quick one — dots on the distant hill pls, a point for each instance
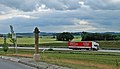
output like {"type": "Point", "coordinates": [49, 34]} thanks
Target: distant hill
{"type": "Point", "coordinates": [24, 34]}
{"type": "Point", "coordinates": [51, 34]}
{"type": "Point", "coordinates": [112, 32]}
{"type": "Point", "coordinates": [32, 34]}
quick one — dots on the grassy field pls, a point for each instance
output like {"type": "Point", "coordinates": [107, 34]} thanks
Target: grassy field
{"type": "Point", "coordinates": [85, 60]}
{"type": "Point", "coordinates": [44, 41]}
{"type": "Point", "coordinates": [109, 44]}
{"type": "Point", "coordinates": [72, 59]}
{"type": "Point", "coordinates": [75, 60]}
{"type": "Point", "coordinates": [48, 41]}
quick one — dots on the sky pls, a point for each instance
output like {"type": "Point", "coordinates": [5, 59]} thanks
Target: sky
{"type": "Point", "coordinates": [60, 15]}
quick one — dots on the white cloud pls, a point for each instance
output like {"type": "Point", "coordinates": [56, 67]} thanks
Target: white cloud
{"type": "Point", "coordinates": [9, 16]}
{"type": "Point", "coordinates": [15, 13]}
{"type": "Point", "coordinates": [80, 22]}
{"type": "Point", "coordinates": [80, 25]}
{"type": "Point", "coordinates": [103, 4]}
{"type": "Point", "coordinates": [68, 28]}
{"type": "Point", "coordinates": [42, 8]}
{"type": "Point", "coordinates": [80, 28]}
{"type": "Point", "coordinates": [114, 1]}
{"type": "Point", "coordinates": [82, 4]}
{"type": "Point", "coordinates": [2, 12]}
{"type": "Point", "coordinates": [61, 15]}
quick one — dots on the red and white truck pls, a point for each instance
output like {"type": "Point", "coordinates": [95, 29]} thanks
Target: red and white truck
{"type": "Point", "coordinates": [88, 45]}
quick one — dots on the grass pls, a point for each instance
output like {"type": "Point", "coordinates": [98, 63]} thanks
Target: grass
{"type": "Point", "coordinates": [109, 44]}
{"type": "Point", "coordinates": [75, 60]}
{"type": "Point", "coordinates": [48, 41]}
{"type": "Point", "coordinates": [31, 40]}
{"type": "Point", "coordinates": [86, 60]}
{"type": "Point", "coordinates": [72, 59]}
{"type": "Point", "coordinates": [44, 41]}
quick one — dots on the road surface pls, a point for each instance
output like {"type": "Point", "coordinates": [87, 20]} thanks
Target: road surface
{"type": "Point", "coordinates": [66, 49]}
{"type": "Point", "coordinates": [6, 64]}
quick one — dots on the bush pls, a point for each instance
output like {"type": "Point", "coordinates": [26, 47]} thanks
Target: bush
{"type": "Point", "coordinates": [5, 47]}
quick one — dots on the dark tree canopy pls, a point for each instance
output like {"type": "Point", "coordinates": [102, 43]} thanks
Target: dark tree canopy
{"type": "Point", "coordinates": [1, 35]}
{"type": "Point", "coordinates": [97, 36]}
{"type": "Point", "coordinates": [65, 36]}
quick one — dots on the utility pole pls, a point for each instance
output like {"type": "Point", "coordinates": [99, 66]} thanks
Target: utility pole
{"type": "Point", "coordinates": [36, 56]}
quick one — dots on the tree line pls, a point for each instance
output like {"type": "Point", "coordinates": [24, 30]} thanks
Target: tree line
{"type": "Point", "coordinates": [86, 36]}
{"type": "Point", "coordinates": [98, 36]}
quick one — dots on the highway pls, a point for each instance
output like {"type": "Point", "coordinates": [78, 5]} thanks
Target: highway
{"type": "Point", "coordinates": [6, 64]}
{"type": "Point", "coordinates": [66, 49]}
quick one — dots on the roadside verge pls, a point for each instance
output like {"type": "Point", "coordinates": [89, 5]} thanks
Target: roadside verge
{"type": "Point", "coordinates": [32, 63]}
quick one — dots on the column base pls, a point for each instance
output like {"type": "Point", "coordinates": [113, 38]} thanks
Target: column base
{"type": "Point", "coordinates": [36, 57]}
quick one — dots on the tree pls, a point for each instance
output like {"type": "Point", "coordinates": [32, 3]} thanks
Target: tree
{"type": "Point", "coordinates": [1, 35]}
{"type": "Point", "coordinates": [65, 36]}
{"type": "Point", "coordinates": [84, 35]}
{"type": "Point", "coordinates": [5, 45]}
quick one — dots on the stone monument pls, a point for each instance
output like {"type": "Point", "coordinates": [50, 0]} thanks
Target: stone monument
{"type": "Point", "coordinates": [36, 55]}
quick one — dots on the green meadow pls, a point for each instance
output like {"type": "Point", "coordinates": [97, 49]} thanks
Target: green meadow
{"type": "Point", "coordinates": [84, 60]}
{"type": "Point", "coordinates": [49, 41]}
{"type": "Point", "coordinates": [74, 59]}
{"type": "Point", "coordinates": [71, 59]}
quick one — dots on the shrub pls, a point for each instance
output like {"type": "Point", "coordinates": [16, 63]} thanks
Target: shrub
{"type": "Point", "coordinates": [5, 47]}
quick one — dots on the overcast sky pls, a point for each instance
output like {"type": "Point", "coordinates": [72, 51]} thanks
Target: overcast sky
{"type": "Point", "coordinates": [60, 15]}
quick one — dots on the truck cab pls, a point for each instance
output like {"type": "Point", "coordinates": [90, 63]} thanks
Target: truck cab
{"type": "Point", "coordinates": [95, 46]}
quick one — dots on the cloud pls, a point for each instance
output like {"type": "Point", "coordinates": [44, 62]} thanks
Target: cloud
{"type": "Point", "coordinates": [41, 8]}
{"type": "Point", "coordinates": [80, 22]}
{"type": "Point", "coordinates": [114, 1]}
{"type": "Point", "coordinates": [103, 4]}
{"type": "Point", "coordinates": [24, 5]}
{"type": "Point", "coordinates": [60, 15]}
{"type": "Point", "coordinates": [83, 4]}
{"type": "Point", "coordinates": [14, 14]}
{"type": "Point", "coordinates": [30, 5]}
{"type": "Point", "coordinates": [67, 28]}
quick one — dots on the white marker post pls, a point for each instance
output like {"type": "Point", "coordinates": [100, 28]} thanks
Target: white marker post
{"type": "Point", "coordinates": [15, 38]}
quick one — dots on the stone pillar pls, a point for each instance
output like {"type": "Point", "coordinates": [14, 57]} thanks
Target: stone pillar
{"type": "Point", "coordinates": [36, 56]}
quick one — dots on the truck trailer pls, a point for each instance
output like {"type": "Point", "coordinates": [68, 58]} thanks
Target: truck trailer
{"type": "Point", "coordinates": [88, 45]}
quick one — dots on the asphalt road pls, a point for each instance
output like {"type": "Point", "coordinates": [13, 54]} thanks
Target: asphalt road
{"type": "Point", "coordinates": [66, 49]}
{"type": "Point", "coordinates": [6, 64]}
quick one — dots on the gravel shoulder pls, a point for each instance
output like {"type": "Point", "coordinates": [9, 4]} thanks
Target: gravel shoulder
{"type": "Point", "coordinates": [32, 63]}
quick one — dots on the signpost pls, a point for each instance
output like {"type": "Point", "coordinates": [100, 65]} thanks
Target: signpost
{"type": "Point", "coordinates": [36, 56]}
{"type": "Point", "coordinates": [14, 38]}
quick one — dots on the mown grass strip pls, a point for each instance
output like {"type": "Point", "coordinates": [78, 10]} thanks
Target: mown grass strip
{"type": "Point", "coordinates": [75, 60]}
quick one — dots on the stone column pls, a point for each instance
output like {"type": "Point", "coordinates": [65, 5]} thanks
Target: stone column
{"type": "Point", "coordinates": [36, 56]}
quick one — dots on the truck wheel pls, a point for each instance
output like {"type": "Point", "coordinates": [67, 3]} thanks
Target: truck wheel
{"type": "Point", "coordinates": [87, 48]}
{"type": "Point", "coordinates": [94, 49]}
{"type": "Point", "coordinates": [74, 49]}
